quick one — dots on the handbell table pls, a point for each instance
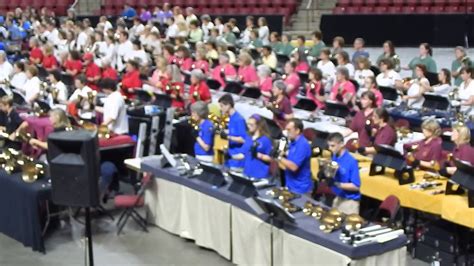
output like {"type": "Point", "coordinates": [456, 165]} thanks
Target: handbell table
{"type": "Point", "coordinates": [223, 221]}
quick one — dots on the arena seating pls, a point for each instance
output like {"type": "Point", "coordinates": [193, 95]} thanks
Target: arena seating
{"type": "Point", "coordinates": [403, 6]}
{"type": "Point", "coordinates": [212, 7]}
{"type": "Point", "coordinates": [58, 6]}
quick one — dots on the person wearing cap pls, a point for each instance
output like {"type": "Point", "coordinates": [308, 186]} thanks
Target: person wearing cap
{"type": "Point", "coordinates": [131, 79]}
{"type": "Point", "coordinates": [257, 148]}
{"type": "Point", "coordinates": [114, 109]}
{"type": "Point", "coordinates": [265, 81]}
{"type": "Point", "coordinates": [224, 70]}
{"type": "Point", "coordinates": [204, 135]}
{"type": "Point", "coordinates": [236, 132]}
{"type": "Point", "coordinates": [91, 71]}
{"type": "Point", "coordinates": [199, 91]}
{"type": "Point", "coordinates": [280, 104]}
{"type": "Point", "coordinates": [268, 57]}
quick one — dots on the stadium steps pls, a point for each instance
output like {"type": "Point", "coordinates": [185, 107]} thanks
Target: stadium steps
{"type": "Point", "coordinates": [308, 16]}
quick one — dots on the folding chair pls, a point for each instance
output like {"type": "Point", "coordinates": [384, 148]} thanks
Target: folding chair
{"type": "Point", "coordinates": [130, 203]}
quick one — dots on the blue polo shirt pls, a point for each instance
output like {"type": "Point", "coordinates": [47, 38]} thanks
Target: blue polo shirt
{"type": "Point", "coordinates": [237, 128]}
{"type": "Point", "coordinates": [348, 172]}
{"type": "Point", "coordinates": [206, 133]}
{"type": "Point", "coordinates": [254, 167]}
{"type": "Point", "coordinates": [300, 154]}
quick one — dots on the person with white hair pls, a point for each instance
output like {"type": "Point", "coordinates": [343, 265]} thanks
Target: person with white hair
{"type": "Point", "coordinates": [265, 80]}
{"type": "Point", "coordinates": [6, 68]}
{"type": "Point", "coordinates": [206, 26]}
{"type": "Point", "coordinates": [190, 16]}
{"type": "Point", "coordinates": [199, 91]}
{"type": "Point", "coordinates": [204, 135]}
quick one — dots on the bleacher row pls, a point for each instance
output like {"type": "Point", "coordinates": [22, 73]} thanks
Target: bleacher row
{"type": "Point", "coordinates": [58, 6]}
{"type": "Point", "coordinates": [403, 6]}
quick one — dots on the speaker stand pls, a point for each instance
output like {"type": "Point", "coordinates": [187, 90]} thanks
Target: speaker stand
{"type": "Point", "coordinates": [90, 251]}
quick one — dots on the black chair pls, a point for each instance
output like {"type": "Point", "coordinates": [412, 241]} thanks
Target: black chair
{"type": "Point", "coordinates": [2, 92]}
{"type": "Point", "coordinates": [42, 73]}
{"type": "Point", "coordinates": [389, 93]}
{"type": "Point", "coordinates": [275, 130]}
{"type": "Point", "coordinates": [213, 84]}
{"type": "Point", "coordinates": [251, 92]}
{"type": "Point", "coordinates": [282, 59]}
{"type": "Point", "coordinates": [18, 98]}
{"type": "Point", "coordinates": [355, 83]}
{"type": "Point", "coordinates": [254, 54]}
{"type": "Point", "coordinates": [304, 77]}
{"type": "Point", "coordinates": [143, 95]}
{"type": "Point", "coordinates": [336, 109]}
{"type": "Point", "coordinates": [306, 104]}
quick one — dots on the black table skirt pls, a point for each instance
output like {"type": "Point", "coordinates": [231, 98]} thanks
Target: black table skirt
{"type": "Point", "coordinates": [20, 216]}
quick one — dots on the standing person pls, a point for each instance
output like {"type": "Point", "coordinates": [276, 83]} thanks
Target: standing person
{"type": "Point", "coordinates": [296, 162]}
{"type": "Point", "coordinates": [203, 148]}
{"type": "Point", "coordinates": [359, 50]}
{"type": "Point", "coordinates": [263, 31]}
{"type": "Point", "coordinates": [279, 104]}
{"type": "Point", "coordinates": [346, 182]}
{"type": "Point", "coordinates": [114, 109]}
{"type": "Point", "coordinates": [389, 53]}
{"type": "Point", "coordinates": [318, 45]}
{"type": "Point", "coordinates": [425, 58]}
{"type": "Point", "coordinates": [236, 132]}
{"type": "Point", "coordinates": [461, 61]}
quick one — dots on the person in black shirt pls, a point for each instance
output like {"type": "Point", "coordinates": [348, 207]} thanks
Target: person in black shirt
{"type": "Point", "coordinates": [10, 120]}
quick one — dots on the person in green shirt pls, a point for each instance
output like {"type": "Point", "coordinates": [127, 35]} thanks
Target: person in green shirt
{"type": "Point", "coordinates": [424, 59]}
{"type": "Point", "coordinates": [315, 50]}
{"type": "Point", "coordinates": [229, 36]}
{"type": "Point", "coordinates": [389, 52]}
{"type": "Point", "coordinates": [195, 33]}
{"type": "Point", "coordinates": [255, 42]}
{"type": "Point", "coordinates": [286, 47]}
{"type": "Point", "coordinates": [275, 42]}
{"type": "Point", "coordinates": [461, 61]}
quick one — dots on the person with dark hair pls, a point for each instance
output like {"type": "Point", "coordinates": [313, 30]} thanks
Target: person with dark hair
{"type": "Point", "coordinates": [343, 61]}
{"type": "Point", "coordinates": [425, 58]}
{"type": "Point", "coordinates": [91, 71]}
{"type": "Point", "coordinates": [257, 148]}
{"type": "Point", "coordinates": [327, 67]}
{"type": "Point", "coordinates": [279, 104]}
{"type": "Point", "coordinates": [417, 88]}
{"type": "Point", "coordinates": [19, 77]}
{"type": "Point", "coordinates": [268, 57]}
{"type": "Point", "coordinates": [275, 41]}
{"type": "Point", "coordinates": [114, 109]}
{"type": "Point", "coordinates": [59, 93]}
{"type": "Point", "coordinates": [444, 86]}
{"type": "Point", "coordinates": [383, 132]}
{"type": "Point", "coordinates": [346, 182]}
{"type": "Point", "coordinates": [314, 88]}
{"type": "Point", "coordinates": [80, 97]}
{"type": "Point", "coordinates": [203, 148]}
{"type": "Point", "coordinates": [362, 122]}
{"type": "Point", "coordinates": [131, 79]}
{"type": "Point", "coordinates": [466, 89]}
{"type": "Point", "coordinates": [318, 45]}
{"type": "Point", "coordinates": [337, 45]}
{"type": "Point", "coordinates": [10, 120]}
{"type": "Point", "coordinates": [236, 131]}
{"type": "Point", "coordinates": [359, 50]}
{"type": "Point", "coordinates": [183, 58]}
{"type": "Point", "coordinates": [388, 77]}
{"type": "Point", "coordinates": [73, 64]}
{"type": "Point", "coordinates": [371, 85]}
{"type": "Point", "coordinates": [124, 49]}
{"type": "Point", "coordinates": [296, 162]}
{"type": "Point", "coordinates": [389, 53]}
{"type": "Point", "coordinates": [195, 32]}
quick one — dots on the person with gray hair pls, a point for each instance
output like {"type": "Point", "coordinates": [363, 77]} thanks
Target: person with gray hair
{"type": "Point", "coordinates": [199, 91]}
{"type": "Point", "coordinates": [343, 90]}
{"type": "Point", "coordinates": [359, 50]}
{"type": "Point", "coordinates": [224, 70]}
{"type": "Point", "coordinates": [280, 104]}
{"type": "Point", "coordinates": [206, 26]}
{"type": "Point", "coordinates": [265, 80]}
{"type": "Point", "coordinates": [203, 132]}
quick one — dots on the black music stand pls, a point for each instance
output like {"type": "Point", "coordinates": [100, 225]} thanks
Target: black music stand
{"type": "Point", "coordinates": [275, 130]}
{"type": "Point", "coordinates": [387, 156]}
{"type": "Point", "coordinates": [212, 175]}
{"type": "Point", "coordinates": [143, 96]}
{"type": "Point", "coordinates": [306, 104]}
{"type": "Point", "coordinates": [336, 109]}
{"type": "Point", "coordinates": [234, 87]}
{"type": "Point", "coordinates": [242, 186]}
{"type": "Point", "coordinates": [389, 93]}
{"type": "Point", "coordinates": [464, 176]}
{"type": "Point", "coordinates": [213, 84]}
{"type": "Point", "coordinates": [436, 102]}
{"type": "Point", "coordinates": [162, 100]}
{"type": "Point", "coordinates": [252, 92]}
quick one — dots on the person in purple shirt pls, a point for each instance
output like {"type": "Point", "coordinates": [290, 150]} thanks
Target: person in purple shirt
{"type": "Point", "coordinates": [362, 121]}
{"type": "Point", "coordinates": [280, 104]}
{"type": "Point", "coordinates": [427, 152]}
{"type": "Point", "coordinates": [359, 50]}
{"type": "Point", "coordinates": [461, 136]}
{"type": "Point", "coordinates": [383, 132]}
{"type": "Point", "coordinates": [145, 15]}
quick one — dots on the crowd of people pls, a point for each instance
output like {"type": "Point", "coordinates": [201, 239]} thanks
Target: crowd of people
{"type": "Point", "coordinates": [178, 53]}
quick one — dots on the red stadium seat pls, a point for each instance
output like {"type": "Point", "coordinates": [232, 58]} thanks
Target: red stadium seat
{"type": "Point", "coordinates": [49, 3]}
{"type": "Point", "coordinates": [352, 10]}
{"type": "Point", "coordinates": [3, 4]}
{"type": "Point", "coordinates": [452, 9]}
{"type": "Point", "coordinates": [426, 2]}
{"type": "Point", "coordinates": [385, 2]}
{"type": "Point", "coordinates": [422, 9]}
{"type": "Point", "coordinates": [358, 2]}
{"type": "Point", "coordinates": [38, 3]}
{"type": "Point", "coordinates": [371, 2]}
{"type": "Point", "coordinates": [408, 9]}
{"type": "Point", "coordinates": [412, 2]}
{"type": "Point", "coordinates": [398, 2]}
{"type": "Point", "coordinates": [381, 9]}
{"type": "Point", "coordinates": [342, 3]}
{"type": "Point", "coordinates": [339, 10]}
{"type": "Point", "coordinates": [437, 9]}
{"type": "Point", "coordinates": [366, 9]}
{"type": "Point", "coordinates": [394, 9]}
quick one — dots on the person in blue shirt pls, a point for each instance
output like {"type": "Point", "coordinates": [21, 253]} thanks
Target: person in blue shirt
{"type": "Point", "coordinates": [129, 12]}
{"type": "Point", "coordinates": [257, 148]}
{"type": "Point", "coordinates": [359, 50]}
{"type": "Point", "coordinates": [236, 132]}
{"type": "Point", "coordinates": [346, 182]}
{"type": "Point", "coordinates": [297, 162]}
{"type": "Point", "coordinates": [203, 148]}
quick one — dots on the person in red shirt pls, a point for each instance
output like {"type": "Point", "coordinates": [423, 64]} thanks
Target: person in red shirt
{"type": "Point", "coordinates": [108, 72]}
{"type": "Point", "coordinates": [201, 61]}
{"type": "Point", "coordinates": [92, 71]}
{"type": "Point", "coordinates": [49, 60]}
{"type": "Point", "coordinates": [199, 90]}
{"type": "Point", "coordinates": [36, 55]}
{"type": "Point", "coordinates": [168, 54]}
{"type": "Point", "coordinates": [131, 79]}
{"type": "Point", "coordinates": [183, 58]}
{"type": "Point", "coordinates": [173, 86]}
{"type": "Point", "coordinates": [73, 64]}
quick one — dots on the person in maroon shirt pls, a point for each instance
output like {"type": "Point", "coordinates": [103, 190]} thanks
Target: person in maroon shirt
{"type": "Point", "coordinates": [384, 133]}
{"type": "Point", "coordinates": [461, 136]}
{"type": "Point", "coordinates": [36, 55]}
{"type": "Point", "coordinates": [315, 88]}
{"type": "Point", "coordinates": [49, 61]}
{"type": "Point", "coordinates": [280, 105]}
{"type": "Point", "coordinates": [199, 91]}
{"type": "Point", "coordinates": [92, 71]}
{"type": "Point", "coordinates": [427, 152]}
{"type": "Point", "coordinates": [73, 64]}
{"type": "Point", "coordinates": [108, 72]}
{"type": "Point", "coordinates": [131, 79]}
{"type": "Point", "coordinates": [362, 122]}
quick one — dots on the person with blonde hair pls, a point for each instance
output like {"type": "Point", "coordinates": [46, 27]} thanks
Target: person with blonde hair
{"type": "Point", "coordinates": [247, 73]}
{"type": "Point", "coordinates": [363, 70]}
{"type": "Point", "coordinates": [426, 153]}
{"type": "Point", "coordinates": [461, 136]}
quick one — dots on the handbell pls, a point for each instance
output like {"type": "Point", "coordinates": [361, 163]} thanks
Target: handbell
{"type": "Point", "coordinates": [353, 222]}
{"type": "Point", "coordinates": [103, 132]}
{"type": "Point", "coordinates": [31, 171]}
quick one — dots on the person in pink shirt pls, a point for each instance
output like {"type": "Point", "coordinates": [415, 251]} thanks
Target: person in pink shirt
{"type": "Point", "coordinates": [371, 85]}
{"type": "Point", "coordinates": [247, 73]}
{"type": "Point", "coordinates": [343, 90]}
{"type": "Point", "coordinates": [265, 80]}
{"type": "Point", "coordinates": [299, 56]}
{"type": "Point", "coordinates": [224, 70]}
{"type": "Point", "coordinates": [315, 88]}
{"type": "Point", "coordinates": [183, 58]}
{"type": "Point", "coordinates": [168, 53]}
{"type": "Point", "coordinates": [292, 81]}
{"type": "Point", "coordinates": [201, 61]}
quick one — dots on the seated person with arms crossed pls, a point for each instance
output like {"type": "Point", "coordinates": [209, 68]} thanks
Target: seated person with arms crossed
{"type": "Point", "coordinates": [203, 148]}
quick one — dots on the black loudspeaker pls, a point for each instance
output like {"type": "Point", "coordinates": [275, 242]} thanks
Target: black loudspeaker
{"type": "Point", "coordinates": [74, 162]}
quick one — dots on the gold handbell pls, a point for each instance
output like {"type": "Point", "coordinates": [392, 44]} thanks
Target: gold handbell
{"type": "Point", "coordinates": [103, 132]}
{"type": "Point", "coordinates": [196, 95]}
{"type": "Point", "coordinates": [368, 122]}
{"type": "Point", "coordinates": [449, 157]}
{"type": "Point", "coordinates": [331, 221]}
{"type": "Point", "coordinates": [283, 77]}
{"type": "Point", "coordinates": [435, 165]}
{"type": "Point", "coordinates": [91, 97]}
{"type": "Point", "coordinates": [403, 132]}
{"type": "Point", "coordinates": [54, 93]}
{"type": "Point", "coordinates": [289, 207]}
{"type": "Point", "coordinates": [328, 167]}
{"type": "Point", "coordinates": [285, 195]}
{"type": "Point", "coordinates": [23, 136]}
{"type": "Point", "coordinates": [318, 212]}
{"type": "Point", "coordinates": [167, 88]}
{"type": "Point", "coordinates": [89, 126]}
{"type": "Point", "coordinates": [308, 208]}
{"type": "Point", "coordinates": [454, 94]}
{"type": "Point", "coordinates": [353, 222]}
{"type": "Point", "coordinates": [31, 171]}
{"type": "Point", "coordinates": [193, 123]}
{"type": "Point", "coordinates": [410, 157]}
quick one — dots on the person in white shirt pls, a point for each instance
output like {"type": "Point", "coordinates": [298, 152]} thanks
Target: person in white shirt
{"type": "Point", "coordinates": [138, 54]}
{"type": "Point", "coordinates": [81, 40]}
{"type": "Point", "coordinates": [466, 90]}
{"type": "Point", "coordinates": [154, 43]}
{"type": "Point", "coordinates": [110, 52]}
{"type": "Point", "coordinates": [53, 37]}
{"type": "Point", "coordinates": [61, 48]}
{"type": "Point", "coordinates": [190, 15]}
{"type": "Point", "coordinates": [444, 86]}
{"type": "Point", "coordinates": [124, 49]}
{"type": "Point", "coordinates": [32, 86]}
{"type": "Point", "coordinates": [327, 67]}
{"type": "Point", "coordinates": [172, 31]}
{"type": "Point", "coordinates": [106, 23]}
{"type": "Point", "coordinates": [60, 94]}
{"type": "Point", "coordinates": [343, 61]}
{"type": "Point", "coordinates": [100, 46]}
{"type": "Point", "coordinates": [263, 31]}
{"type": "Point", "coordinates": [206, 26]}
{"type": "Point", "coordinates": [6, 68]}
{"type": "Point", "coordinates": [417, 88]}
{"type": "Point", "coordinates": [245, 36]}
{"type": "Point", "coordinates": [219, 24]}
{"type": "Point", "coordinates": [136, 29]}
{"type": "Point", "coordinates": [114, 109]}
{"type": "Point", "coordinates": [19, 77]}
{"type": "Point", "coordinates": [268, 57]}
{"type": "Point", "coordinates": [363, 70]}
{"type": "Point", "coordinates": [388, 77]}
{"type": "Point", "coordinates": [81, 95]}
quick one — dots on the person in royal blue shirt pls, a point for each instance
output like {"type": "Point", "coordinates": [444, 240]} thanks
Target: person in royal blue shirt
{"type": "Point", "coordinates": [236, 132]}
{"type": "Point", "coordinates": [297, 162]}
{"type": "Point", "coordinates": [346, 182]}
{"type": "Point", "coordinates": [129, 12]}
{"type": "Point", "coordinates": [203, 148]}
{"type": "Point", "coordinates": [257, 148]}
